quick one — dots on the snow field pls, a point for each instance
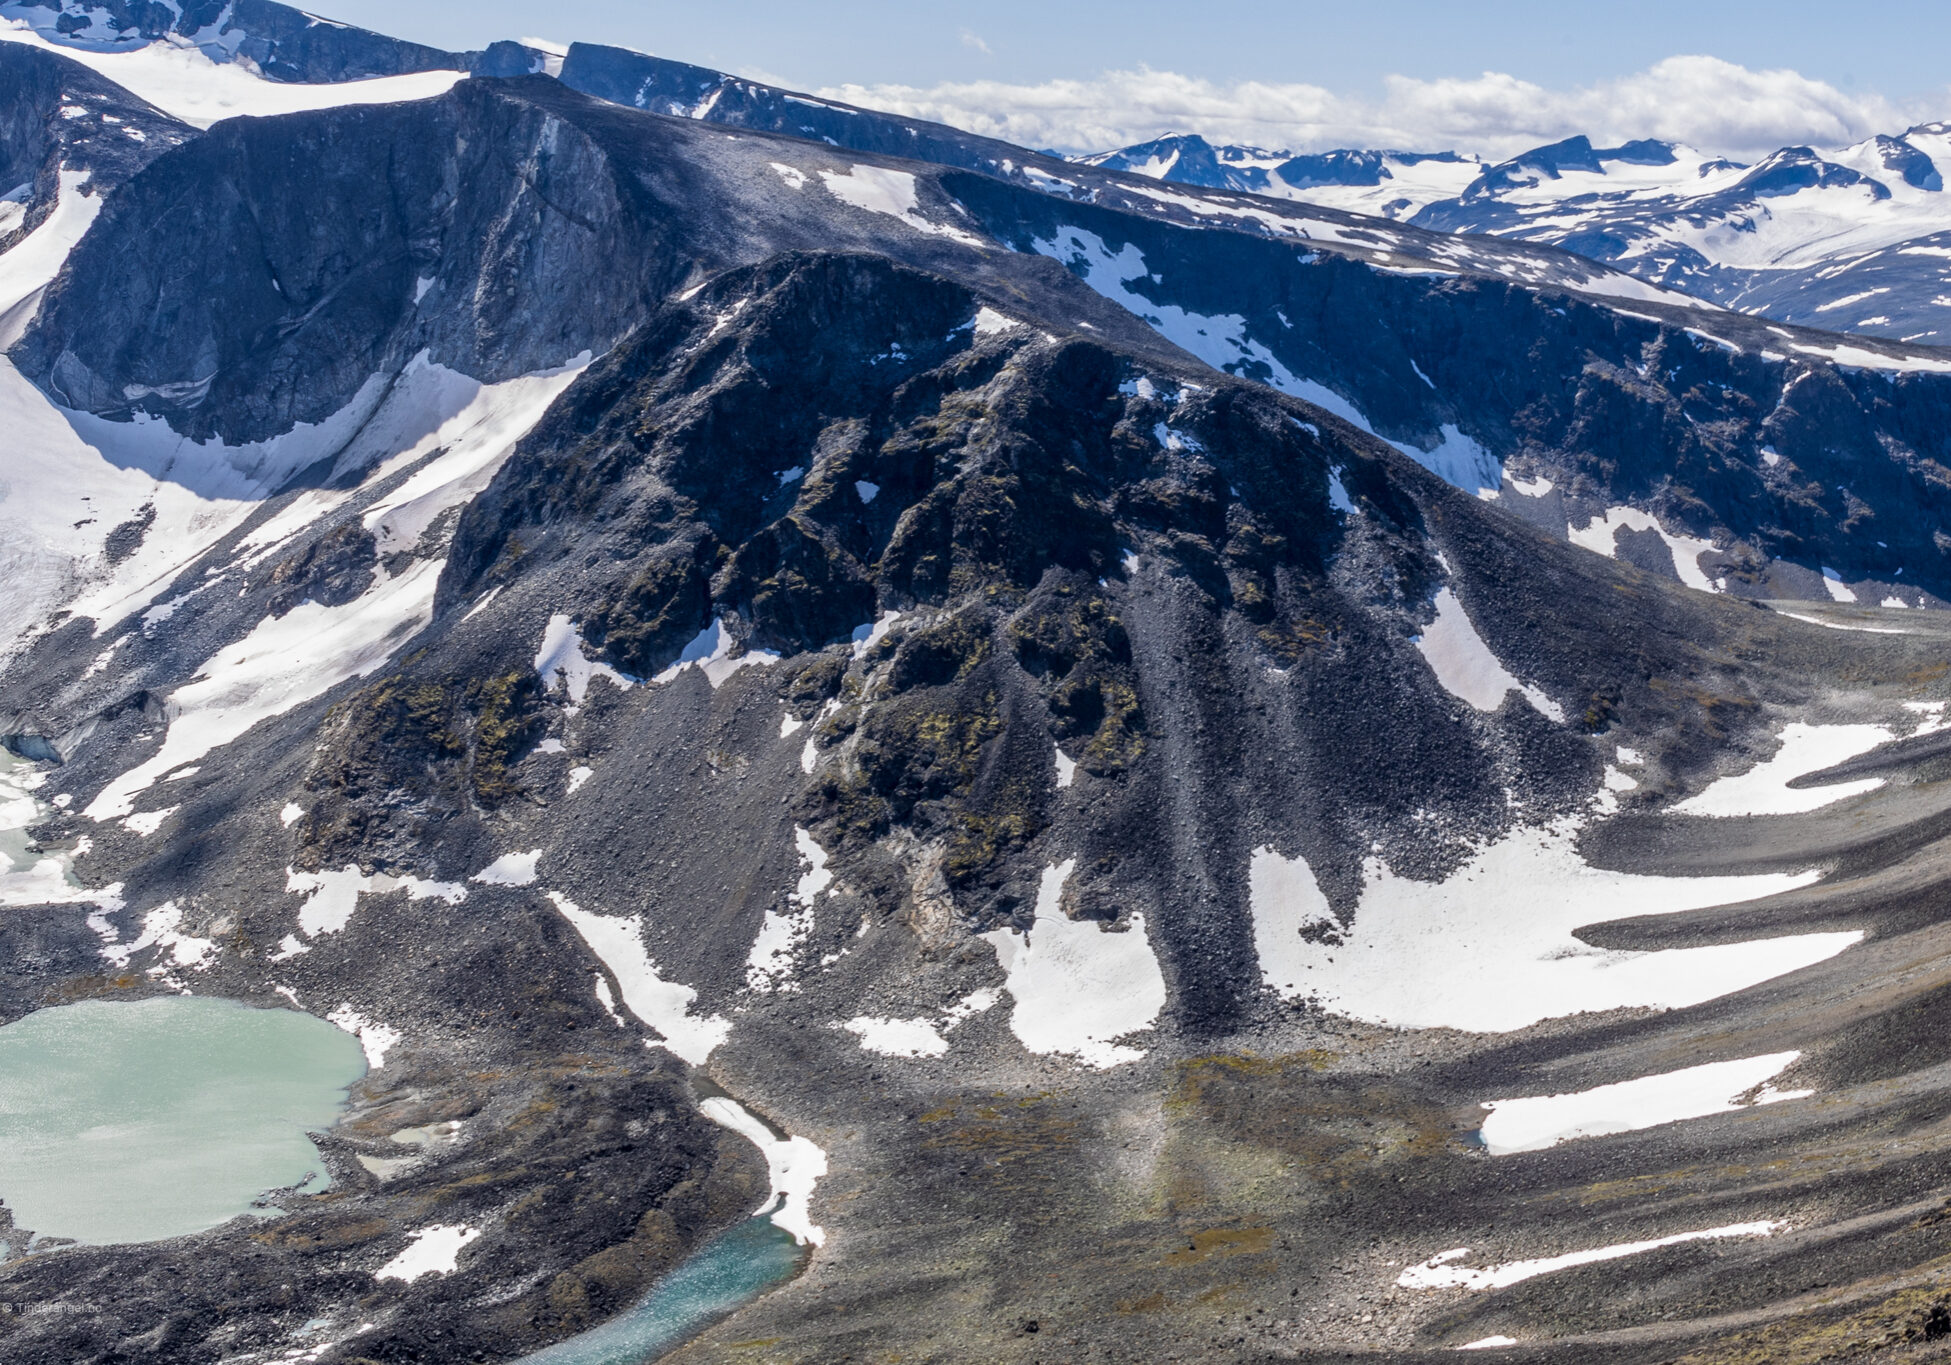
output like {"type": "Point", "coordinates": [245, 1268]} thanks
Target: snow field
{"type": "Point", "coordinates": [1491, 949]}
{"type": "Point", "coordinates": [183, 81]}
{"type": "Point", "coordinates": [281, 665]}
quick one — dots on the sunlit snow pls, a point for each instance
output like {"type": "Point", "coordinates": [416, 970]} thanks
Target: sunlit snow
{"type": "Point", "coordinates": [1441, 1272]}
{"type": "Point", "coordinates": [1492, 948]}
{"type": "Point", "coordinates": [618, 942]}
{"type": "Point", "coordinates": [1077, 986]}
{"type": "Point", "coordinates": [1764, 789]}
{"type": "Point", "coordinates": [186, 84]}
{"type": "Point", "coordinates": [282, 664]}
{"type": "Point", "coordinates": [794, 1164]}
{"type": "Point", "coordinates": [1465, 666]}
{"type": "Point", "coordinates": [1526, 1125]}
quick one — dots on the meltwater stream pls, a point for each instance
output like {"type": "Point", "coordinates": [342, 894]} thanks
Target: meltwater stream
{"type": "Point", "coordinates": [722, 1276]}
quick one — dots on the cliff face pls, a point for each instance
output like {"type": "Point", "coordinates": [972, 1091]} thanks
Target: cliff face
{"type": "Point", "coordinates": [55, 116]}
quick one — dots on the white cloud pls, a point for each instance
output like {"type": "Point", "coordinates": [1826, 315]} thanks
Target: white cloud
{"type": "Point", "coordinates": [970, 38]}
{"type": "Point", "coordinates": [1704, 102]}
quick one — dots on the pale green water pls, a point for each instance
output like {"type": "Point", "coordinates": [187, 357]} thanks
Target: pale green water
{"type": "Point", "coordinates": [725, 1274]}
{"type": "Point", "coordinates": [134, 1121]}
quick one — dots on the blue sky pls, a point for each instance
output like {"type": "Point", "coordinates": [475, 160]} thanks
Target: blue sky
{"type": "Point", "coordinates": [1037, 67]}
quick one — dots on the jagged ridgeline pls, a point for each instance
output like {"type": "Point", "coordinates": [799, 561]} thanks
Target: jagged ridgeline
{"type": "Point", "coordinates": [1096, 714]}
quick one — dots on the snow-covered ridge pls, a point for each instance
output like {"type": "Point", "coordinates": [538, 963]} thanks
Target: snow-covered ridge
{"type": "Point", "coordinates": [1849, 238]}
{"type": "Point", "coordinates": [185, 81]}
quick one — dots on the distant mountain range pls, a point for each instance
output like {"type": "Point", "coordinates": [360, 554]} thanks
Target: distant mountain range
{"type": "Point", "coordinates": [1853, 240]}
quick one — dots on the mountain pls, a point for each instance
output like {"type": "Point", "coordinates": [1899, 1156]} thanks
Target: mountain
{"type": "Point", "coordinates": [275, 41]}
{"type": "Point", "coordinates": [1131, 768]}
{"type": "Point", "coordinates": [1844, 240]}
{"type": "Point", "coordinates": [1386, 184]}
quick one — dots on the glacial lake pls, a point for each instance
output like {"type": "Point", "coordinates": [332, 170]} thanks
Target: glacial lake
{"type": "Point", "coordinates": [725, 1274]}
{"type": "Point", "coordinates": [132, 1121]}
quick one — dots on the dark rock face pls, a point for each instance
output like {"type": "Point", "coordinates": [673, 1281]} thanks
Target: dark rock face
{"type": "Point", "coordinates": [282, 43]}
{"type": "Point", "coordinates": [530, 244]}
{"type": "Point", "coordinates": [57, 115]}
{"type": "Point", "coordinates": [1614, 408]}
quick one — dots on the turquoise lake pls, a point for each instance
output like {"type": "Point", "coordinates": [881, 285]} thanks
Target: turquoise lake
{"type": "Point", "coordinates": [134, 1121]}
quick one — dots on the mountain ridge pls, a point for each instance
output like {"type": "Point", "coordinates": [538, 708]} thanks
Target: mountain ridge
{"type": "Point", "coordinates": [1124, 727]}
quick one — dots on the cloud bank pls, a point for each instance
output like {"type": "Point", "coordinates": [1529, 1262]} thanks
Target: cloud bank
{"type": "Point", "coordinates": [1704, 102]}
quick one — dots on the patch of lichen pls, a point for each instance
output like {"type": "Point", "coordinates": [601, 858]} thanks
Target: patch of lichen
{"type": "Point", "coordinates": [507, 718]}
{"type": "Point", "coordinates": [980, 840]}
{"type": "Point", "coordinates": [917, 749]}
{"type": "Point", "coordinates": [942, 653]}
{"type": "Point", "coordinates": [1286, 1106]}
{"type": "Point", "coordinates": [409, 747]}
{"type": "Point", "coordinates": [1077, 649]}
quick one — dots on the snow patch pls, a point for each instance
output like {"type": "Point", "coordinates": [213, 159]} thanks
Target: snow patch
{"type": "Point", "coordinates": [770, 962]}
{"type": "Point", "coordinates": [375, 1039]}
{"type": "Point", "coordinates": [1465, 666]}
{"type": "Point", "coordinates": [331, 898]}
{"type": "Point", "coordinates": [1493, 947]}
{"type": "Point", "coordinates": [665, 1006]}
{"type": "Point", "coordinates": [794, 1164]}
{"type": "Point", "coordinates": [898, 1037]}
{"type": "Point", "coordinates": [1764, 789]}
{"type": "Point", "coordinates": [282, 664]}
{"type": "Point", "coordinates": [879, 190]}
{"type": "Point", "coordinates": [1528, 1125]}
{"type": "Point", "coordinates": [510, 869]}
{"type": "Point", "coordinates": [867, 636]}
{"type": "Point", "coordinates": [430, 1251]}
{"type": "Point", "coordinates": [562, 663]}
{"type": "Point", "coordinates": [1838, 590]}
{"type": "Point", "coordinates": [1600, 536]}
{"type": "Point", "coordinates": [711, 654]}
{"type": "Point", "coordinates": [162, 928]}
{"type": "Point", "coordinates": [1077, 986]}
{"type": "Point", "coordinates": [1440, 1272]}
